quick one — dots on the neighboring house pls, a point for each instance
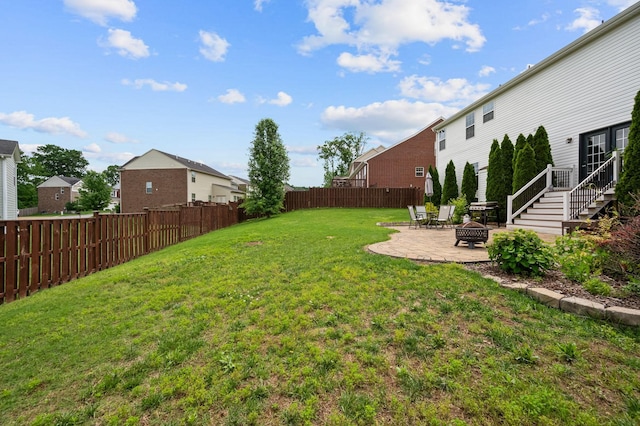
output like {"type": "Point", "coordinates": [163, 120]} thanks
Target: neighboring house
{"type": "Point", "coordinates": [242, 184]}
{"type": "Point", "coordinates": [402, 165]}
{"type": "Point", "coordinates": [114, 201]}
{"type": "Point", "coordinates": [583, 95]}
{"type": "Point", "coordinates": [55, 192]}
{"type": "Point", "coordinates": [9, 159]}
{"type": "Point", "coordinates": [157, 179]}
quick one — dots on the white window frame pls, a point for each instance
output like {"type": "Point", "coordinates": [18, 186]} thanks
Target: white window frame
{"type": "Point", "coordinates": [487, 112]}
{"type": "Point", "coordinates": [419, 171]}
{"type": "Point", "coordinates": [149, 188]}
{"type": "Point", "coordinates": [193, 176]}
{"type": "Point", "coordinates": [470, 125]}
{"type": "Point", "coordinates": [442, 139]}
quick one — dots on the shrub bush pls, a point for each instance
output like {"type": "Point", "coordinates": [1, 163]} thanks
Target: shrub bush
{"type": "Point", "coordinates": [623, 248]}
{"type": "Point", "coordinates": [597, 286]}
{"type": "Point", "coordinates": [520, 252]}
{"type": "Point", "coordinates": [578, 256]}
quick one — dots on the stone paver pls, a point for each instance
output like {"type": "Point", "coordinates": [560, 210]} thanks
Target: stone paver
{"type": "Point", "coordinates": [434, 245]}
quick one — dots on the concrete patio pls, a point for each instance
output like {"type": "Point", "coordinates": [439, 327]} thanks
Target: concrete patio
{"type": "Point", "coordinates": [436, 245]}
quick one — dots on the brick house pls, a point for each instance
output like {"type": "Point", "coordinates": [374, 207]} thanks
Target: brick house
{"type": "Point", "coordinates": [402, 165]}
{"type": "Point", "coordinates": [9, 159]}
{"type": "Point", "coordinates": [157, 179]}
{"type": "Point", "coordinates": [55, 192]}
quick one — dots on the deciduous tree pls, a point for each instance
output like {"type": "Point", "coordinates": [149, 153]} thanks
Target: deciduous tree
{"type": "Point", "coordinates": [268, 170]}
{"type": "Point", "coordinates": [52, 160]}
{"type": "Point", "coordinates": [339, 153]}
{"type": "Point", "coordinates": [95, 192]}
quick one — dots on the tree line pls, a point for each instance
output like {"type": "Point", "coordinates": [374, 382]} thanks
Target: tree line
{"type": "Point", "coordinates": [51, 160]}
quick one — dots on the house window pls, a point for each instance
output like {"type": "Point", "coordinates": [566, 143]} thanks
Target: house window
{"type": "Point", "coordinates": [149, 188]}
{"type": "Point", "coordinates": [57, 197]}
{"type": "Point", "coordinates": [193, 196]}
{"type": "Point", "coordinates": [487, 112]}
{"type": "Point", "coordinates": [441, 139]}
{"type": "Point", "coordinates": [470, 125]}
{"type": "Point", "coordinates": [419, 171]}
{"type": "Point", "coordinates": [62, 190]}
{"type": "Point", "coordinates": [622, 138]}
{"type": "Point", "coordinates": [210, 198]}
{"type": "Point", "coordinates": [193, 176]}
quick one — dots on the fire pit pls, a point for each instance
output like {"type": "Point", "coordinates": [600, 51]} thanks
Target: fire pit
{"type": "Point", "coordinates": [471, 233]}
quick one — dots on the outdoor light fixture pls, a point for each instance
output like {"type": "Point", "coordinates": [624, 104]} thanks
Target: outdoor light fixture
{"type": "Point", "coordinates": [569, 140]}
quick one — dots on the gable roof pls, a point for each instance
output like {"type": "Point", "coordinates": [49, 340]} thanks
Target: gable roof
{"type": "Point", "coordinates": [59, 182]}
{"type": "Point", "coordinates": [189, 164]}
{"type": "Point", "coordinates": [601, 30]}
{"type": "Point", "coordinates": [429, 126]}
{"type": "Point", "coordinates": [9, 148]}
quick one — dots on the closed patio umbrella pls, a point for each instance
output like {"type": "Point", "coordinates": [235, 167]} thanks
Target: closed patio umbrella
{"type": "Point", "coordinates": [428, 186]}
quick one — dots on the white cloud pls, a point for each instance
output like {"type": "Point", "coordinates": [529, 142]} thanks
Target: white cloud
{"type": "Point", "coordinates": [455, 90]}
{"type": "Point", "coordinates": [304, 161]}
{"type": "Point", "coordinates": [588, 18]}
{"type": "Point", "coordinates": [283, 99]}
{"type": "Point", "coordinates": [233, 96]}
{"type": "Point", "coordinates": [118, 138]}
{"type": "Point", "coordinates": [213, 46]}
{"type": "Point", "coordinates": [92, 147]}
{"type": "Point", "coordinates": [125, 44]}
{"type": "Point", "coordinates": [389, 121]}
{"type": "Point", "coordinates": [100, 11]}
{"type": "Point", "coordinates": [302, 150]}
{"type": "Point", "coordinates": [155, 85]}
{"type": "Point", "coordinates": [367, 63]}
{"type": "Point", "coordinates": [257, 4]}
{"type": "Point", "coordinates": [29, 148]}
{"type": "Point", "coordinates": [381, 27]}
{"type": "Point", "coordinates": [118, 158]}
{"type": "Point", "coordinates": [486, 70]}
{"type": "Point", "coordinates": [53, 125]}
{"type": "Point", "coordinates": [621, 4]}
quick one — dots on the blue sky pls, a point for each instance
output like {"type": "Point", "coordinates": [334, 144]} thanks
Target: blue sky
{"type": "Point", "coordinates": [116, 78]}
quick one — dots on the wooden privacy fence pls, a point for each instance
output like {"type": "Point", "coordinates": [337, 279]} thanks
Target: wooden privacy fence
{"type": "Point", "coordinates": [36, 254]}
{"type": "Point", "coordinates": [353, 197]}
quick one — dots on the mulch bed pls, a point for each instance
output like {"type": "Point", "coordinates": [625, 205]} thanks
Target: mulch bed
{"type": "Point", "coordinates": [556, 281]}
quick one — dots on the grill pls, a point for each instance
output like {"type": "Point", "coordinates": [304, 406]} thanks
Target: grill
{"type": "Point", "coordinates": [482, 211]}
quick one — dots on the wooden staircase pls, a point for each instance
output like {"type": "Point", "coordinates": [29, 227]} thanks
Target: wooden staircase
{"type": "Point", "coordinates": [546, 215]}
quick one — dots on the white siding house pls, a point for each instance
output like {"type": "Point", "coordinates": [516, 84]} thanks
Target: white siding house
{"type": "Point", "coordinates": [9, 158]}
{"type": "Point", "coordinates": [583, 96]}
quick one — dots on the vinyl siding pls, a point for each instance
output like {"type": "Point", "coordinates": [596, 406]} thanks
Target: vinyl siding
{"type": "Point", "coordinates": [586, 90]}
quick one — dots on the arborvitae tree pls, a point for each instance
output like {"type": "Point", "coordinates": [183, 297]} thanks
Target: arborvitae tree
{"type": "Point", "coordinates": [450, 187]}
{"type": "Point", "coordinates": [525, 167]}
{"type": "Point", "coordinates": [542, 149]}
{"type": "Point", "coordinates": [268, 170]}
{"type": "Point", "coordinates": [629, 183]}
{"type": "Point", "coordinates": [437, 186]}
{"type": "Point", "coordinates": [494, 173]}
{"type": "Point", "coordinates": [469, 182]}
{"type": "Point", "coordinates": [519, 144]}
{"type": "Point", "coordinates": [506, 157]}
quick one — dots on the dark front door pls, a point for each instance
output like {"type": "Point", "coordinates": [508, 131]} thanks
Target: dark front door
{"type": "Point", "coordinates": [593, 150]}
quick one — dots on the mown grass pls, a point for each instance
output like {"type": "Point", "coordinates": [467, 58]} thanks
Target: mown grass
{"type": "Point", "coordinates": [290, 321]}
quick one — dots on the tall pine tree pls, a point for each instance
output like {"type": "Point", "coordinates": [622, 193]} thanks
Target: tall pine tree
{"type": "Point", "coordinates": [629, 184]}
{"type": "Point", "coordinates": [450, 187]}
{"type": "Point", "coordinates": [494, 173]}
{"type": "Point", "coordinates": [542, 149]}
{"type": "Point", "coordinates": [506, 157]}
{"type": "Point", "coordinates": [525, 167]}
{"type": "Point", "coordinates": [469, 182]}
{"type": "Point", "coordinates": [437, 186]}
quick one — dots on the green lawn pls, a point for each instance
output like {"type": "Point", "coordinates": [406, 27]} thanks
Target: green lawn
{"type": "Point", "coordinates": [290, 321]}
